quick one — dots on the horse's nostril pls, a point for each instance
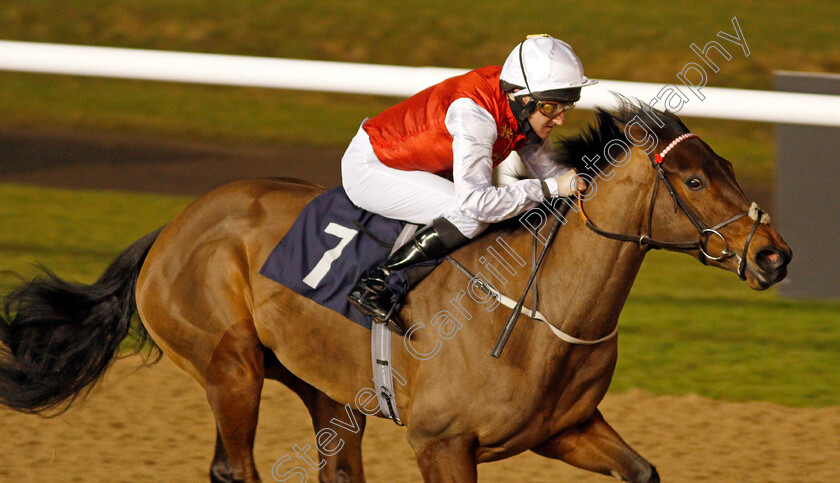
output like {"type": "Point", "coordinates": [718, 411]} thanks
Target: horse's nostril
{"type": "Point", "coordinates": [770, 259]}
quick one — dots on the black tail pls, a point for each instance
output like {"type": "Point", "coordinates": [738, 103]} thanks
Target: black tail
{"type": "Point", "coordinates": [60, 337]}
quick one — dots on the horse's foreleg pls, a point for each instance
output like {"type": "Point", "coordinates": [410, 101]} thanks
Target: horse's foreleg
{"type": "Point", "coordinates": [595, 446]}
{"type": "Point", "coordinates": [234, 384]}
{"type": "Point", "coordinates": [449, 460]}
{"type": "Point", "coordinates": [341, 457]}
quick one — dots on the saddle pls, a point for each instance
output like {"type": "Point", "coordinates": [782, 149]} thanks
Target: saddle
{"type": "Point", "coordinates": [328, 248]}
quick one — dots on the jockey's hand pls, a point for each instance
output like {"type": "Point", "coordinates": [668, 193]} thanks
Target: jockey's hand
{"type": "Point", "coordinates": [564, 183]}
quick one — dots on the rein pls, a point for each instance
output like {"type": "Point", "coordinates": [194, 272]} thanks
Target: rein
{"type": "Point", "coordinates": [532, 313]}
{"type": "Point", "coordinates": [705, 232]}
{"type": "Point", "coordinates": [701, 244]}
{"type": "Point", "coordinates": [518, 306]}
{"type": "Point", "coordinates": [517, 309]}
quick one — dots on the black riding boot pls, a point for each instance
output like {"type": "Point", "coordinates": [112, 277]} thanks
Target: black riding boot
{"type": "Point", "coordinates": [380, 296]}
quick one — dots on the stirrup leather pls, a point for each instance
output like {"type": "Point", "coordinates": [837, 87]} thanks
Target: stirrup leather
{"type": "Point", "coordinates": [380, 292]}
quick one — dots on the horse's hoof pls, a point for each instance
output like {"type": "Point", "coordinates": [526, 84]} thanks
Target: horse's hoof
{"type": "Point", "coordinates": [221, 473]}
{"type": "Point", "coordinates": [654, 475]}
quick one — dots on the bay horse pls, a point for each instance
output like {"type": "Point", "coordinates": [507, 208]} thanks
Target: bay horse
{"type": "Point", "coordinates": [196, 286]}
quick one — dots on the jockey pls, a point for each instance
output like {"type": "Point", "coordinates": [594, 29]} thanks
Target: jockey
{"type": "Point", "coordinates": [429, 160]}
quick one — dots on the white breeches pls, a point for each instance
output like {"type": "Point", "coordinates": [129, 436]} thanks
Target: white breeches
{"type": "Point", "coordinates": [413, 196]}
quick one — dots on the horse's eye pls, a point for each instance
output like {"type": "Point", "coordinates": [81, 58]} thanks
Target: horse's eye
{"type": "Point", "coordinates": [694, 183]}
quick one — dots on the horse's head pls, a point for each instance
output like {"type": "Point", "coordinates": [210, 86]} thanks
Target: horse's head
{"type": "Point", "coordinates": [695, 203]}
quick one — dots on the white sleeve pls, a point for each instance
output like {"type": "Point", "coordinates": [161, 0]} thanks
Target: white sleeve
{"type": "Point", "coordinates": [540, 161]}
{"type": "Point", "coordinates": [473, 133]}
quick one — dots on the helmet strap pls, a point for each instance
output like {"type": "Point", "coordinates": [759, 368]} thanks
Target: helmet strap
{"type": "Point", "coordinates": [521, 111]}
{"type": "Point", "coordinates": [522, 66]}
{"type": "Point", "coordinates": [531, 106]}
{"type": "Point", "coordinates": [531, 135]}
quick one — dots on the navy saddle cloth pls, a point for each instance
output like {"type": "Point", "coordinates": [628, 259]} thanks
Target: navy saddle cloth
{"type": "Point", "coordinates": [330, 245]}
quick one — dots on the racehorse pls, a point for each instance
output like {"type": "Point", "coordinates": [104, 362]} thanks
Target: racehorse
{"type": "Point", "coordinates": [196, 286]}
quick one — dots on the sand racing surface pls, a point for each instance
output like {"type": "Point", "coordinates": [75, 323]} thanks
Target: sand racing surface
{"type": "Point", "coordinates": [154, 424]}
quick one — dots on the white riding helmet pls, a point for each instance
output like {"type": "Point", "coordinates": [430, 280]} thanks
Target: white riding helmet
{"type": "Point", "coordinates": [541, 64]}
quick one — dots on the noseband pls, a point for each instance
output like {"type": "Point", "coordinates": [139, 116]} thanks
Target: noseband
{"type": "Point", "coordinates": [705, 232]}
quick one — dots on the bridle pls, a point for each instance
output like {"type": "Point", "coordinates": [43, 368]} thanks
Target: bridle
{"type": "Point", "coordinates": [705, 232]}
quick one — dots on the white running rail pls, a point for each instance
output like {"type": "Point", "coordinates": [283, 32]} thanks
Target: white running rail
{"type": "Point", "coordinates": [235, 70]}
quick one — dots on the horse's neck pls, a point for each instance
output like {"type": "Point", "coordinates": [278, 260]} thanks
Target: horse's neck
{"type": "Point", "coordinates": [586, 278]}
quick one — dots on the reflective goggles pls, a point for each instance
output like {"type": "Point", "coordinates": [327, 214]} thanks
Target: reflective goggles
{"type": "Point", "coordinates": [552, 109]}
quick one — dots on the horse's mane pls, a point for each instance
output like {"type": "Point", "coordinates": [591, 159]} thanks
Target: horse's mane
{"type": "Point", "coordinates": [589, 143]}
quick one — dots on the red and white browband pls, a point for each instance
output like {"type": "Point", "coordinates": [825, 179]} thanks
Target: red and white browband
{"type": "Point", "coordinates": [661, 156]}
